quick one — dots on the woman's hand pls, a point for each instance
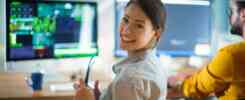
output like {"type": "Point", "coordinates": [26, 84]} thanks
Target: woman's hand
{"type": "Point", "coordinates": [83, 92]}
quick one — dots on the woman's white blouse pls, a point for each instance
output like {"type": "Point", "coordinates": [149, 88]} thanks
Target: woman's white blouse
{"type": "Point", "coordinates": [138, 78]}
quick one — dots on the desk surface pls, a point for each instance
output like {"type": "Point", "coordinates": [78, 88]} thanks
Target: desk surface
{"type": "Point", "coordinates": [13, 86]}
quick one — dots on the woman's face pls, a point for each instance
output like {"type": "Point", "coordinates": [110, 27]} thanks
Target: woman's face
{"type": "Point", "coordinates": [136, 29]}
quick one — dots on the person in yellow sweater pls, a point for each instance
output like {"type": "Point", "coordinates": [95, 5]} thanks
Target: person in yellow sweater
{"type": "Point", "coordinates": [224, 76]}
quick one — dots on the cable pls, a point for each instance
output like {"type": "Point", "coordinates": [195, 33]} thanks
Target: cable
{"type": "Point", "coordinates": [88, 70]}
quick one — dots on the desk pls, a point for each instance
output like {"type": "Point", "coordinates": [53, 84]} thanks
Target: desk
{"type": "Point", "coordinates": [13, 87]}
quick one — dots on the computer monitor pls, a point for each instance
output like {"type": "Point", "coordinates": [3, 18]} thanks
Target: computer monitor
{"type": "Point", "coordinates": [188, 25]}
{"type": "Point", "coordinates": [39, 29]}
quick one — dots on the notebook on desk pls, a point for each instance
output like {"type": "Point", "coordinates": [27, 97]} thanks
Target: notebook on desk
{"type": "Point", "coordinates": [62, 87]}
{"type": "Point", "coordinates": [69, 86]}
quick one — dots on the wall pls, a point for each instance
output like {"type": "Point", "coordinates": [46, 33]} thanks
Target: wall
{"type": "Point", "coordinates": [2, 35]}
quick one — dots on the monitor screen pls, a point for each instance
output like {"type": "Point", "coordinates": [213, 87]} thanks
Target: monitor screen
{"type": "Point", "coordinates": [187, 26]}
{"type": "Point", "coordinates": [51, 29]}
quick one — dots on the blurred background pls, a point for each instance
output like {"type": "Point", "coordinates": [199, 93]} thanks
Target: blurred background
{"type": "Point", "coordinates": [60, 36]}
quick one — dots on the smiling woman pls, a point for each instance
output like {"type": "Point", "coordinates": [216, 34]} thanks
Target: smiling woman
{"type": "Point", "coordinates": [140, 76]}
{"type": "Point", "coordinates": [140, 28]}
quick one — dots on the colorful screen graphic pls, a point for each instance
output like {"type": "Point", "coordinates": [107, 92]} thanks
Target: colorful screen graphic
{"type": "Point", "coordinates": [51, 29]}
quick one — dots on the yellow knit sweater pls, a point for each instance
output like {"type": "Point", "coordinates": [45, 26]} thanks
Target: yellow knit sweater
{"type": "Point", "coordinates": [224, 76]}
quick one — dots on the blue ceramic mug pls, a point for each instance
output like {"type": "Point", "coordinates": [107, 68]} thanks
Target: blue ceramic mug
{"type": "Point", "coordinates": [35, 81]}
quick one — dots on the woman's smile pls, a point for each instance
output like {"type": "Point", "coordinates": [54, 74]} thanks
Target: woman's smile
{"type": "Point", "coordinates": [127, 40]}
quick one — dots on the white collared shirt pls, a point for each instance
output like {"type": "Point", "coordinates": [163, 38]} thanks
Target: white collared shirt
{"type": "Point", "coordinates": [138, 78]}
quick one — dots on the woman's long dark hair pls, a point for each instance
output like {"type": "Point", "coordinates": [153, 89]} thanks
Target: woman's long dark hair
{"type": "Point", "coordinates": [155, 10]}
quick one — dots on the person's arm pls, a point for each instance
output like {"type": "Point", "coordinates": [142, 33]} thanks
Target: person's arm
{"type": "Point", "coordinates": [135, 89]}
{"type": "Point", "coordinates": [211, 79]}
